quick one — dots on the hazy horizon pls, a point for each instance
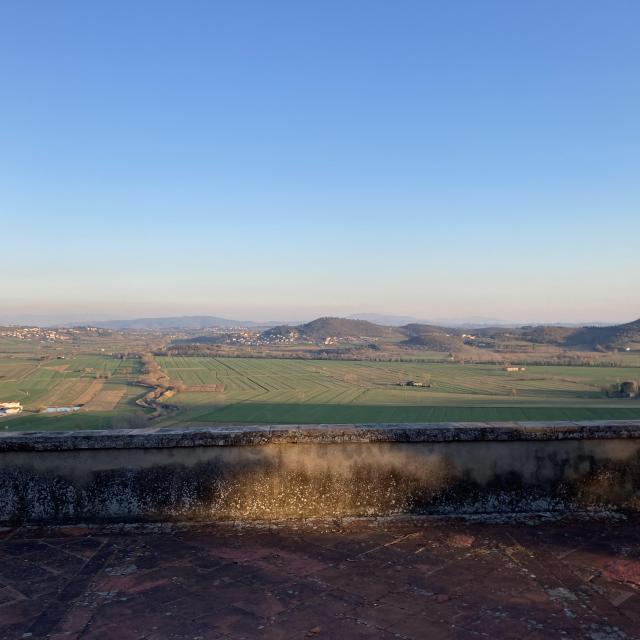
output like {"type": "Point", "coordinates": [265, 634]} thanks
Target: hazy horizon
{"type": "Point", "coordinates": [289, 160]}
{"type": "Point", "coordinates": [44, 319]}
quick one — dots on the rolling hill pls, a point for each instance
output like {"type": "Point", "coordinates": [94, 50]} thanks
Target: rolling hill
{"type": "Point", "coordinates": [546, 334]}
{"type": "Point", "coordinates": [618, 336]}
{"type": "Point", "coordinates": [439, 338]}
{"type": "Point", "coordinates": [324, 328]}
{"type": "Point", "coordinates": [413, 334]}
{"type": "Point", "coordinates": [614, 337]}
{"type": "Point", "coordinates": [432, 337]}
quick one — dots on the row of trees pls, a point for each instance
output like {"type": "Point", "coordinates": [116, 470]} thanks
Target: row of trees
{"type": "Point", "coordinates": [152, 375]}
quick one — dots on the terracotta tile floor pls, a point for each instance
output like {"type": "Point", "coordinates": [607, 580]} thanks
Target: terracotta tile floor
{"type": "Point", "coordinates": [431, 579]}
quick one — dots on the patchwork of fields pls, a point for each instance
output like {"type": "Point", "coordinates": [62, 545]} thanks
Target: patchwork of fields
{"type": "Point", "coordinates": [259, 390]}
{"type": "Point", "coordinates": [101, 384]}
{"type": "Point", "coordinates": [252, 390]}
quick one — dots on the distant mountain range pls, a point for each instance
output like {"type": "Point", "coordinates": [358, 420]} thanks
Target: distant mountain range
{"type": "Point", "coordinates": [209, 322]}
{"type": "Point", "coordinates": [387, 320]}
{"type": "Point", "coordinates": [178, 322]}
{"type": "Point", "coordinates": [194, 322]}
{"type": "Point", "coordinates": [399, 321]}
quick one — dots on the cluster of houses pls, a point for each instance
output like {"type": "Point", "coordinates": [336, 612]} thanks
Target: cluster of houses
{"type": "Point", "coordinates": [241, 337]}
{"type": "Point", "coordinates": [473, 341]}
{"type": "Point", "coordinates": [46, 334]}
{"type": "Point", "coordinates": [10, 408]}
{"type": "Point", "coordinates": [279, 335]}
{"type": "Point", "coordinates": [34, 333]}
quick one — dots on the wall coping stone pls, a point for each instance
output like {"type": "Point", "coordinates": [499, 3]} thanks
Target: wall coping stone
{"type": "Point", "coordinates": [255, 435]}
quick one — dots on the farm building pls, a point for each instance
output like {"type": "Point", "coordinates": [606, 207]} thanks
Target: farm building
{"type": "Point", "coordinates": [416, 383]}
{"type": "Point", "coordinates": [61, 409]}
{"type": "Point", "coordinates": [514, 369]}
{"type": "Point", "coordinates": [628, 389]}
{"type": "Point", "coordinates": [10, 408]}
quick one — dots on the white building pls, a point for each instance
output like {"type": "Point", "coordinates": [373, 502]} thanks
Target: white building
{"type": "Point", "coordinates": [10, 408]}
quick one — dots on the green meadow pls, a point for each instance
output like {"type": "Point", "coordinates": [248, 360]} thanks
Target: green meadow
{"type": "Point", "coordinates": [303, 391]}
{"type": "Point", "coordinates": [253, 390]}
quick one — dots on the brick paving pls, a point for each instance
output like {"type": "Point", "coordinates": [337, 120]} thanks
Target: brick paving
{"type": "Point", "coordinates": [431, 579]}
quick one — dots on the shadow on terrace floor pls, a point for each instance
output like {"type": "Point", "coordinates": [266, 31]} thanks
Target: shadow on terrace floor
{"type": "Point", "coordinates": [431, 579]}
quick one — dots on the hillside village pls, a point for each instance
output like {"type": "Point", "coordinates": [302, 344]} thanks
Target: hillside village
{"type": "Point", "coordinates": [49, 334]}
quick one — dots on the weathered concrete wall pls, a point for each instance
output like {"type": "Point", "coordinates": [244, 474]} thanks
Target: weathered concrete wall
{"type": "Point", "coordinates": [264, 473]}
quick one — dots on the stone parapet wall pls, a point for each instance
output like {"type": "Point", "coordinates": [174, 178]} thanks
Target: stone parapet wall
{"type": "Point", "coordinates": [277, 472]}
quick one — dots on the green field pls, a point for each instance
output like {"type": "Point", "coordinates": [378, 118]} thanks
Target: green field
{"type": "Point", "coordinates": [103, 385]}
{"type": "Point", "coordinates": [302, 391]}
{"type": "Point", "coordinates": [252, 390]}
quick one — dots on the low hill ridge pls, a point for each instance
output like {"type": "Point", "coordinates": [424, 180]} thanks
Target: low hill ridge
{"type": "Point", "coordinates": [613, 337]}
{"type": "Point", "coordinates": [440, 338]}
{"type": "Point", "coordinates": [324, 328]}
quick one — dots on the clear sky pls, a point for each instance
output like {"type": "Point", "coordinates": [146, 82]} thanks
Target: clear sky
{"type": "Point", "coordinates": [289, 159]}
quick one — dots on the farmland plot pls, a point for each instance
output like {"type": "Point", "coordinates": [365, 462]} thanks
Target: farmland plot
{"type": "Point", "coordinates": [107, 398]}
{"type": "Point", "coordinates": [278, 390]}
{"type": "Point", "coordinates": [251, 390]}
{"type": "Point", "coordinates": [76, 381]}
{"type": "Point", "coordinates": [12, 370]}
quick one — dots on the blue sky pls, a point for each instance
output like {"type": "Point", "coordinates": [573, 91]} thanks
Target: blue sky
{"type": "Point", "coordinates": [291, 159]}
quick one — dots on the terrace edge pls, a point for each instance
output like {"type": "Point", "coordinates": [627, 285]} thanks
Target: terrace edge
{"type": "Point", "coordinates": [256, 435]}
